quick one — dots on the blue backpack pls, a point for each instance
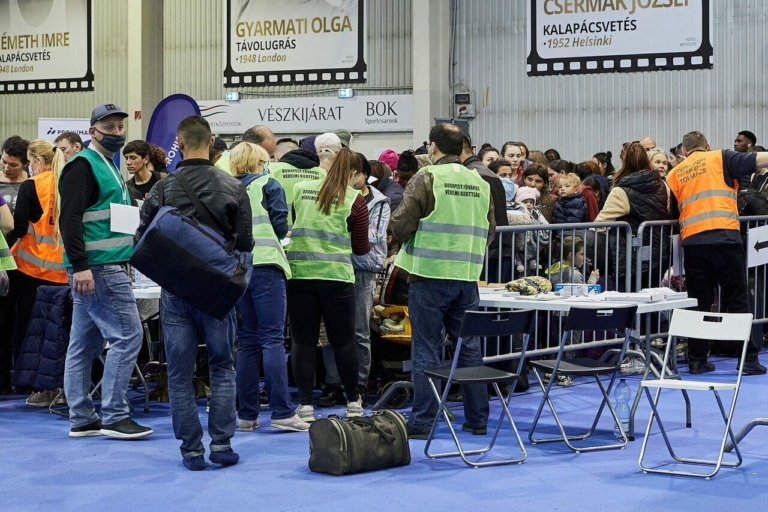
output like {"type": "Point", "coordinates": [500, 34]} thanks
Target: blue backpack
{"type": "Point", "coordinates": [191, 260]}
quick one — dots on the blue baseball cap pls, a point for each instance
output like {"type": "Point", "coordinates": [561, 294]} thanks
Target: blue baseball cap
{"type": "Point", "coordinates": [106, 110]}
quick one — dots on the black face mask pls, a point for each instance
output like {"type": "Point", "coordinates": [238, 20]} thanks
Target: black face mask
{"type": "Point", "coordinates": [112, 143]}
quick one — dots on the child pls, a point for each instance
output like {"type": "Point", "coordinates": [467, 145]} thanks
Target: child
{"type": "Point", "coordinates": [528, 196]}
{"type": "Point", "coordinates": [567, 270]}
{"type": "Point", "coordinates": [571, 207]}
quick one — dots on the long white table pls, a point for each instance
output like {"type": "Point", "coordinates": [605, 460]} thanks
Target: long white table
{"type": "Point", "coordinates": [496, 300]}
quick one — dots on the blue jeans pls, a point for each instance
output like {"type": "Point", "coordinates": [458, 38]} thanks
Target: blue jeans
{"type": "Point", "coordinates": [365, 287]}
{"type": "Point", "coordinates": [263, 309]}
{"type": "Point", "coordinates": [183, 325]}
{"type": "Point", "coordinates": [109, 315]}
{"type": "Point", "coordinates": [434, 304]}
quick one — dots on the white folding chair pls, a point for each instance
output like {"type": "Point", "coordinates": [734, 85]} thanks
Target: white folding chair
{"type": "Point", "coordinates": [735, 327]}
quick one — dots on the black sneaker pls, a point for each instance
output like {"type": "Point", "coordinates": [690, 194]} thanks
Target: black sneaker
{"type": "Point", "coordinates": [476, 431]}
{"type": "Point", "coordinates": [125, 429]}
{"type": "Point", "coordinates": [695, 367]}
{"type": "Point", "coordinates": [753, 368]}
{"type": "Point", "coordinates": [89, 430]}
{"type": "Point", "coordinates": [416, 433]}
{"type": "Point", "coordinates": [331, 396]}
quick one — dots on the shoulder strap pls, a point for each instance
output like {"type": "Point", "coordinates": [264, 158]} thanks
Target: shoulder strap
{"type": "Point", "coordinates": [198, 205]}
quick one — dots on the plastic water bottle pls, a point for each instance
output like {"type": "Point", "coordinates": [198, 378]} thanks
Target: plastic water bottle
{"type": "Point", "coordinates": [622, 394]}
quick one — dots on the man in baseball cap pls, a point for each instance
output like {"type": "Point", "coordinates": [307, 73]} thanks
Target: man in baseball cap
{"type": "Point", "coordinates": [105, 110]}
{"type": "Point", "coordinates": [104, 304]}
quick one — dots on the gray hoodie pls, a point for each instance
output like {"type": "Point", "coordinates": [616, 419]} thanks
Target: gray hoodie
{"type": "Point", "coordinates": [378, 220]}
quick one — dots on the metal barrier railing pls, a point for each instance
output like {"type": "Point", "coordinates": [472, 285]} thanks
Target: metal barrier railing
{"type": "Point", "coordinates": [523, 251]}
{"type": "Point", "coordinates": [657, 260]}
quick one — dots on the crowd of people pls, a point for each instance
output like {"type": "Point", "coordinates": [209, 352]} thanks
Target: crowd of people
{"type": "Point", "coordinates": [323, 222]}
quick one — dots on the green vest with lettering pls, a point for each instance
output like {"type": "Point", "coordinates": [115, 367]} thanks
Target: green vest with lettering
{"type": "Point", "coordinates": [288, 176]}
{"type": "Point", "coordinates": [320, 245]}
{"type": "Point", "coordinates": [6, 260]}
{"type": "Point", "coordinates": [267, 249]}
{"type": "Point", "coordinates": [102, 245]}
{"type": "Point", "coordinates": [450, 242]}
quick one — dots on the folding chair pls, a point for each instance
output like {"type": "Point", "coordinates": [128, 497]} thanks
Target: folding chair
{"type": "Point", "coordinates": [477, 324]}
{"type": "Point", "coordinates": [614, 318]}
{"type": "Point", "coordinates": [701, 325]}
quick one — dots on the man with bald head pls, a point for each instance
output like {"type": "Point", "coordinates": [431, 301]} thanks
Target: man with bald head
{"type": "Point", "coordinates": [445, 222]}
{"type": "Point", "coordinates": [261, 136]}
{"type": "Point", "coordinates": [647, 143]}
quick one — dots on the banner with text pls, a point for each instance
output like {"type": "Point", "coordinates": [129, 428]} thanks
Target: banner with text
{"type": "Point", "coordinates": [359, 114]}
{"type": "Point", "coordinates": [45, 46]}
{"type": "Point", "coordinates": [294, 42]}
{"type": "Point", "coordinates": [606, 36]}
{"type": "Point", "coordinates": [49, 128]}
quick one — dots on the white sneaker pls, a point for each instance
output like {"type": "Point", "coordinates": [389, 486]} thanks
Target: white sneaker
{"type": "Point", "coordinates": [306, 413]}
{"type": "Point", "coordinates": [292, 424]}
{"type": "Point", "coordinates": [247, 425]}
{"type": "Point", "coordinates": [355, 409]}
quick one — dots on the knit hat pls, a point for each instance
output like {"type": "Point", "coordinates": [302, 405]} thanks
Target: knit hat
{"type": "Point", "coordinates": [389, 157]}
{"type": "Point", "coordinates": [524, 193]}
{"type": "Point", "coordinates": [345, 136]}
{"type": "Point", "coordinates": [308, 143]}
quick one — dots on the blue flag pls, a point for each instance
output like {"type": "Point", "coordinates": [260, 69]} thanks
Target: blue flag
{"type": "Point", "coordinates": [165, 120]}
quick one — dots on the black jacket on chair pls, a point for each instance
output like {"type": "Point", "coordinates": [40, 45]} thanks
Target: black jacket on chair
{"type": "Point", "coordinates": [41, 361]}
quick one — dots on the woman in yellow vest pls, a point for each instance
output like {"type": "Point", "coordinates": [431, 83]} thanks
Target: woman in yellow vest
{"type": "Point", "coordinates": [331, 223]}
{"type": "Point", "coordinates": [39, 252]}
{"type": "Point", "coordinates": [263, 307]}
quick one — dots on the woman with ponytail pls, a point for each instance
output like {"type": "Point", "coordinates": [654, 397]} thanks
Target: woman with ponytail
{"type": "Point", "coordinates": [331, 224]}
{"type": "Point", "coordinates": [39, 252]}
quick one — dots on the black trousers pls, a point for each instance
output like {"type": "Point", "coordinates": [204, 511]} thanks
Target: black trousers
{"type": "Point", "coordinates": [309, 300]}
{"type": "Point", "coordinates": [706, 267]}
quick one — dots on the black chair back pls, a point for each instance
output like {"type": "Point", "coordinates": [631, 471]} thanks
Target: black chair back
{"type": "Point", "coordinates": [601, 318]}
{"type": "Point", "coordinates": [482, 323]}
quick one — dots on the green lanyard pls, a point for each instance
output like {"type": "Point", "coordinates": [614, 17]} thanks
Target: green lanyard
{"type": "Point", "coordinates": [116, 175]}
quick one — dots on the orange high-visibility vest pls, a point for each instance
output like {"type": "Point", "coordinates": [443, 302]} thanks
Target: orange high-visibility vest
{"type": "Point", "coordinates": [706, 202]}
{"type": "Point", "coordinates": [37, 254]}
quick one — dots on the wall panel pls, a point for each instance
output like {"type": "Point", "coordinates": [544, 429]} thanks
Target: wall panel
{"type": "Point", "coordinates": [582, 114]}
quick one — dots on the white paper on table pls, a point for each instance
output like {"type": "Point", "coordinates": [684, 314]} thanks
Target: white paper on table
{"type": "Point", "coordinates": [123, 218]}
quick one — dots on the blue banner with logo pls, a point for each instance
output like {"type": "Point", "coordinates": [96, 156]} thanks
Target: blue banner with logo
{"type": "Point", "coordinates": [165, 120]}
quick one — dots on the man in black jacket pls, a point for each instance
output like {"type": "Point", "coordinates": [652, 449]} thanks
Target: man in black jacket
{"type": "Point", "coordinates": [226, 200]}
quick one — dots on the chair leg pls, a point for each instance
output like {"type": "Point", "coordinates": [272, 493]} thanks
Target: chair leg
{"type": "Point", "coordinates": [143, 383]}
{"type": "Point", "coordinates": [564, 437]}
{"type": "Point", "coordinates": [717, 464]}
{"type": "Point", "coordinates": [443, 409]}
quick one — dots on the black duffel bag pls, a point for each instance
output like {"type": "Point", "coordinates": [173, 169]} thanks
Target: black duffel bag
{"type": "Point", "coordinates": [344, 446]}
{"type": "Point", "coordinates": [191, 259]}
